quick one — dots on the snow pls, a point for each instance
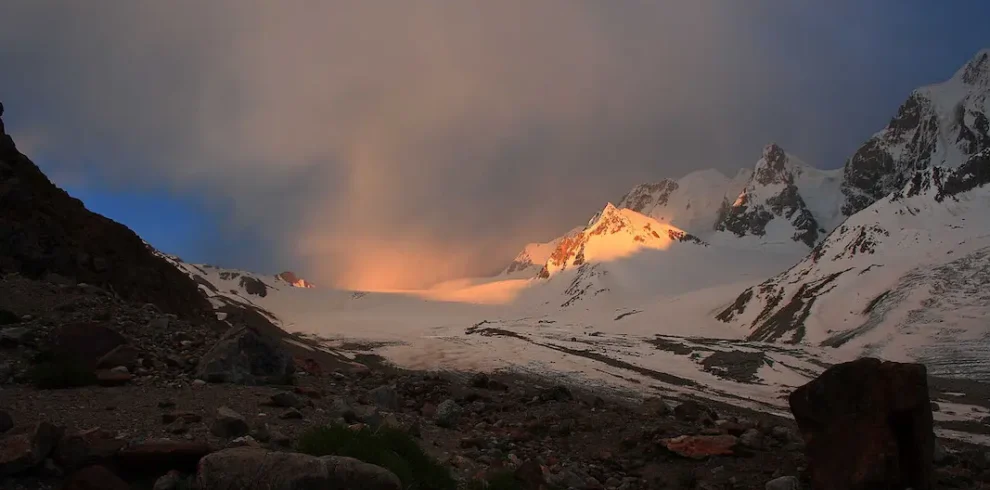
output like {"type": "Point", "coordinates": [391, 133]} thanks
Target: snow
{"type": "Point", "coordinates": [630, 302]}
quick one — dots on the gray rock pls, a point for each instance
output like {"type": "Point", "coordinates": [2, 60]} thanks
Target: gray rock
{"type": "Point", "coordinates": [178, 426]}
{"type": "Point", "coordinates": [939, 454]}
{"type": "Point", "coordinates": [370, 416]}
{"type": "Point", "coordinates": [783, 483]}
{"type": "Point", "coordinates": [448, 413]}
{"type": "Point", "coordinates": [783, 434]}
{"type": "Point", "coordinates": [248, 468]}
{"type": "Point", "coordinates": [935, 407]}
{"type": "Point", "coordinates": [291, 414]}
{"type": "Point", "coordinates": [14, 336]}
{"type": "Point", "coordinates": [386, 397]}
{"type": "Point", "coordinates": [6, 371]}
{"type": "Point", "coordinates": [752, 438]}
{"type": "Point", "coordinates": [229, 424]}
{"type": "Point", "coordinates": [245, 356]}
{"type": "Point", "coordinates": [170, 481]}
{"type": "Point", "coordinates": [287, 400]}
{"type": "Point", "coordinates": [244, 441]}
{"type": "Point", "coordinates": [159, 324]}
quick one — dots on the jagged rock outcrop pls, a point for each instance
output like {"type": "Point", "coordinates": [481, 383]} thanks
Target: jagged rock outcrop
{"type": "Point", "coordinates": [772, 193]}
{"type": "Point", "coordinates": [938, 125]}
{"type": "Point", "coordinates": [613, 233]}
{"type": "Point", "coordinates": [45, 231]}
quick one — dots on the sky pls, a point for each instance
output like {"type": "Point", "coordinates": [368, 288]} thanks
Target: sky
{"type": "Point", "coordinates": [381, 144]}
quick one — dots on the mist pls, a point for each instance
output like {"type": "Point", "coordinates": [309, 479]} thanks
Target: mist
{"type": "Point", "coordinates": [397, 144]}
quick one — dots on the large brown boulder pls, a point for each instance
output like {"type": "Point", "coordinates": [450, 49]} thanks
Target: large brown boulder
{"type": "Point", "coordinates": [82, 448]}
{"type": "Point", "coordinates": [95, 478]}
{"type": "Point", "coordinates": [248, 468]}
{"type": "Point", "coordinates": [26, 446]}
{"type": "Point", "coordinates": [867, 425]}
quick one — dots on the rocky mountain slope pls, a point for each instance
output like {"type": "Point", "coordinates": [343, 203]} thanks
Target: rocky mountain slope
{"type": "Point", "coordinates": [938, 125]}
{"type": "Point", "coordinates": [534, 255]}
{"type": "Point", "coordinates": [877, 261]}
{"type": "Point", "coordinates": [47, 233]}
{"type": "Point", "coordinates": [784, 200]}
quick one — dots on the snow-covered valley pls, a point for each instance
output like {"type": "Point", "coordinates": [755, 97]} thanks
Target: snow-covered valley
{"type": "Point", "coordinates": [734, 288]}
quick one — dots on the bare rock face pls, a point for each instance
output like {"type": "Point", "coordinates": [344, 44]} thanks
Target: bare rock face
{"type": "Point", "coordinates": [770, 194]}
{"type": "Point", "coordinates": [249, 468]}
{"type": "Point", "coordinates": [47, 231]}
{"type": "Point", "coordinates": [867, 424]}
{"type": "Point", "coordinates": [935, 126]}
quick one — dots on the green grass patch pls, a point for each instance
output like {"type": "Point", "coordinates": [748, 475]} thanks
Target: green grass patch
{"type": "Point", "coordinates": [387, 447]}
{"type": "Point", "coordinates": [54, 372]}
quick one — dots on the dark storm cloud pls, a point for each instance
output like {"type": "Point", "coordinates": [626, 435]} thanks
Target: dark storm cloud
{"type": "Point", "coordinates": [393, 144]}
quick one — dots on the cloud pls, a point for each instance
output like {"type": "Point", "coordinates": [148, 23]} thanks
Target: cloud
{"type": "Point", "coordinates": [394, 144]}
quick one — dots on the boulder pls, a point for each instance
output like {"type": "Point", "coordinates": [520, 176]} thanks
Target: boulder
{"type": "Point", "coordinates": [308, 392]}
{"type": "Point", "coordinates": [248, 468]}
{"type": "Point", "coordinates": [783, 483]}
{"type": "Point", "coordinates": [291, 414]}
{"type": "Point", "coordinates": [123, 355]}
{"type": "Point", "coordinates": [692, 411]}
{"type": "Point", "coordinates": [245, 356]}
{"type": "Point", "coordinates": [656, 406]}
{"type": "Point", "coordinates": [95, 478]}
{"type": "Point", "coordinates": [447, 414]}
{"type": "Point", "coordinates": [701, 447]}
{"type": "Point", "coordinates": [26, 446]}
{"type": "Point", "coordinates": [385, 397]}
{"type": "Point", "coordinates": [14, 336]}
{"type": "Point", "coordinates": [169, 481]}
{"type": "Point", "coordinates": [229, 424]}
{"type": "Point", "coordinates": [287, 400]}
{"type": "Point", "coordinates": [77, 449]}
{"type": "Point", "coordinates": [156, 457]}
{"type": "Point", "coordinates": [187, 417]}
{"type": "Point", "coordinates": [867, 424]}
{"type": "Point", "coordinates": [87, 341]}
{"type": "Point", "coordinates": [6, 422]}
{"type": "Point", "coordinates": [109, 377]}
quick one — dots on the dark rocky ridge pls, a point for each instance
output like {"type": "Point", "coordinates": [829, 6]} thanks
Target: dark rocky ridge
{"type": "Point", "coordinates": [45, 231]}
{"type": "Point", "coordinates": [887, 161]}
{"type": "Point", "coordinates": [748, 218]}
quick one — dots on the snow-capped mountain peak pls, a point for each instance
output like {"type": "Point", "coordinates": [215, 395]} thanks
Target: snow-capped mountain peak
{"type": "Point", "coordinates": [938, 125]}
{"type": "Point", "coordinates": [976, 72]}
{"type": "Point", "coordinates": [772, 206]}
{"type": "Point", "coordinates": [773, 167]}
{"type": "Point", "coordinates": [294, 280]}
{"type": "Point", "coordinates": [612, 234]}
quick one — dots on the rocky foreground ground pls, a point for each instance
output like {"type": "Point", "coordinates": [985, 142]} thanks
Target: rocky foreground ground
{"type": "Point", "coordinates": [148, 415]}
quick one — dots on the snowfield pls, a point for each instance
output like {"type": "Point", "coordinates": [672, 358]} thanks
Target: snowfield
{"type": "Point", "coordinates": [738, 289]}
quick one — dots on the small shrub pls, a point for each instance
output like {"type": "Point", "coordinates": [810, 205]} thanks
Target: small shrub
{"type": "Point", "coordinates": [387, 447]}
{"type": "Point", "coordinates": [53, 372]}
